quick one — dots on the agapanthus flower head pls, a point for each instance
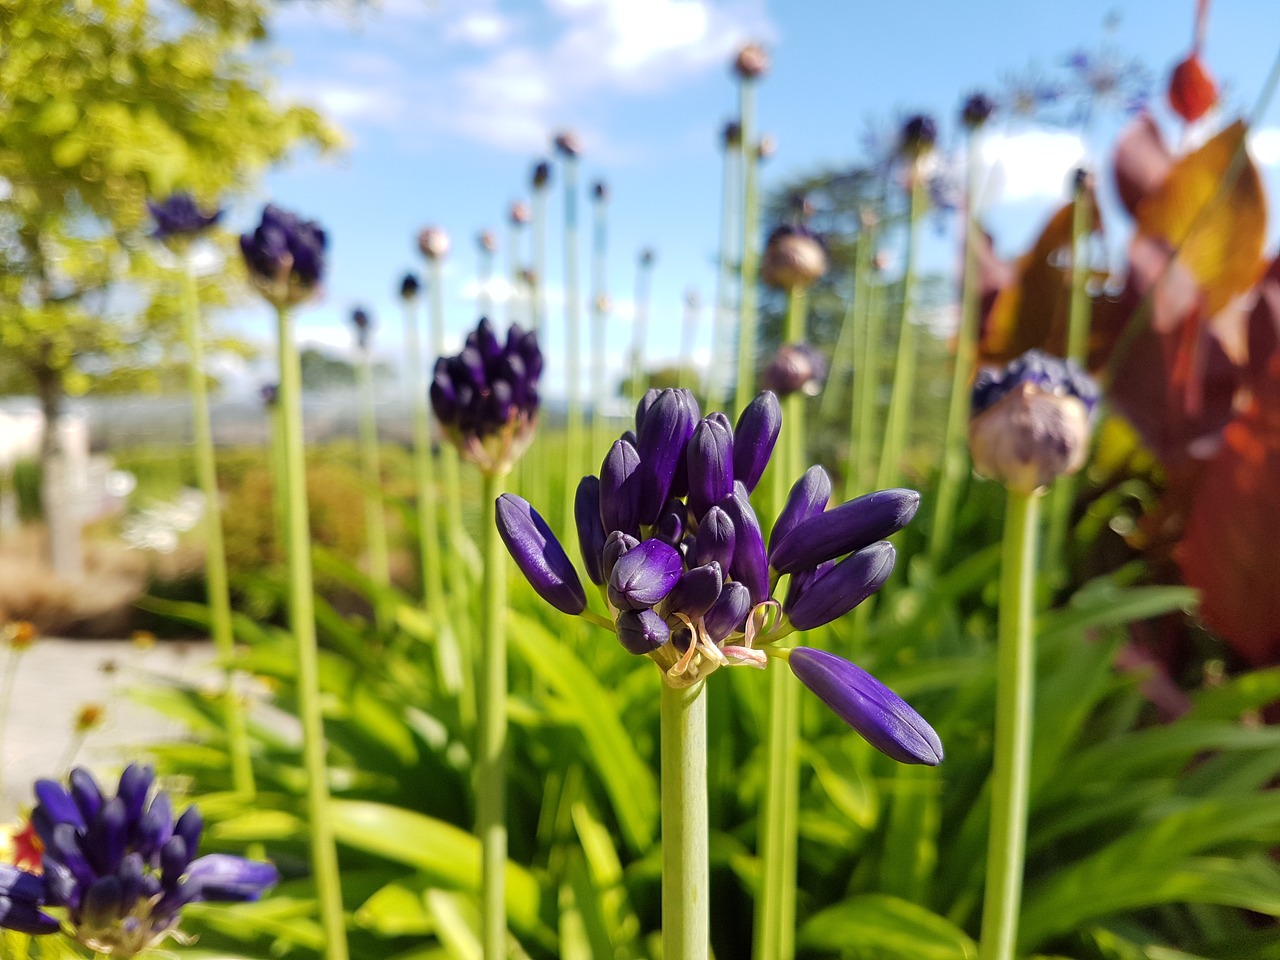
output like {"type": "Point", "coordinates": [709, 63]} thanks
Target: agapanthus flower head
{"type": "Point", "coordinates": [363, 324]}
{"type": "Point", "coordinates": [270, 393]}
{"type": "Point", "coordinates": [731, 135]}
{"type": "Point", "coordinates": [647, 256]}
{"type": "Point", "coordinates": [751, 62]}
{"type": "Point", "coordinates": [796, 367]}
{"type": "Point", "coordinates": [520, 213]}
{"type": "Point", "coordinates": [179, 218]}
{"type": "Point", "coordinates": [1104, 78]}
{"type": "Point", "coordinates": [120, 868]}
{"type": "Point", "coordinates": [486, 397]}
{"type": "Point", "coordinates": [918, 137]}
{"type": "Point", "coordinates": [767, 147]}
{"type": "Point", "coordinates": [976, 110]}
{"type": "Point", "coordinates": [600, 191]}
{"type": "Point", "coordinates": [409, 287]}
{"type": "Point", "coordinates": [567, 144]}
{"type": "Point", "coordinates": [487, 241]}
{"type": "Point", "coordinates": [285, 256]}
{"type": "Point", "coordinates": [670, 538]}
{"type": "Point", "coordinates": [541, 175]}
{"type": "Point", "coordinates": [433, 243]}
{"type": "Point", "coordinates": [1031, 421]}
{"type": "Point", "coordinates": [794, 258]}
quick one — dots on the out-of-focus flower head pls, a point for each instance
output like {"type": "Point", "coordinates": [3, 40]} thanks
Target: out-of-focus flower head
{"type": "Point", "coordinates": [794, 258]}
{"type": "Point", "coordinates": [541, 175]}
{"type": "Point", "coordinates": [600, 190]}
{"type": "Point", "coordinates": [121, 868]}
{"type": "Point", "coordinates": [731, 135]}
{"type": "Point", "coordinates": [751, 62]}
{"type": "Point", "coordinates": [487, 240]}
{"type": "Point", "coordinates": [1106, 80]}
{"type": "Point", "coordinates": [1192, 89]}
{"type": "Point", "coordinates": [918, 137]}
{"type": "Point", "coordinates": [567, 145]}
{"type": "Point", "coordinates": [1028, 94]}
{"type": "Point", "coordinates": [433, 243]}
{"type": "Point", "coordinates": [647, 256]}
{"type": "Point", "coordinates": [796, 367]}
{"type": "Point", "coordinates": [285, 257]}
{"type": "Point", "coordinates": [486, 397]}
{"type": "Point", "coordinates": [767, 147]}
{"type": "Point", "coordinates": [19, 634]}
{"type": "Point", "coordinates": [142, 640]}
{"type": "Point", "coordinates": [179, 218]}
{"type": "Point", "coordinates": [409, 287]}
{"type": "Point", "coordinates": [1031, 421]}
{"type": "Point", "coordinates": [270, 393]}
{"type": "Point", "coordinates": [363, 325]}
{"type": "Point", "coordinates": [520, 213]}
{"type": "Point", "coordinates": [976, 110]}
{"type": "Point", "coordinates": [669, 537]}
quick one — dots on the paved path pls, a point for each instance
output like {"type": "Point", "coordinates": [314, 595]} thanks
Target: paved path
{"type": "Point", "coordinates": [55, 679]}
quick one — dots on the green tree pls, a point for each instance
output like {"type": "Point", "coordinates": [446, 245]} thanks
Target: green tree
{"type": "Point", "coordinates": [104, 104]}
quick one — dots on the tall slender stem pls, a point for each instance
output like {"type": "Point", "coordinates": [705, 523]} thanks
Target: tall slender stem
{"type": "Point", "coordinates": [573, 334]}
{"type": "Point", "coordinates": [686, 871]}
{"type": "Point", "coordinates": [217, 586]}
{"type": "Point", "coordinates": [491, 786]}
{"type": "Point", "coordinates": [898, 422]}
{"type": "Point", "coordinates": [375, 520]}
{"type": "Point", "coordinates": [844, 353]}
{"type": "Point", "coordinates": [776, 914]}
{"type": "Point", "coordinates": [721, 325]}
{"type": "Point", "coordinates": [599, 316]}
{"type": "Point", "coordinates": [863, 472]}
{"type": "Point", "coordinates": [640, 325]}
{"type": "Point", "coordinates": [324, 853]}
{"type": "Point", "coordinates": [1015, 704]}
{"type": "Point", "coordinates": [484, 277]}
{"type": "Point", "coordinates": [955, 451]}
{"type": "Point", "coordinates": [689, 339]}
{"type": "Point", "coordinates": [750, 257]}
{"type": "Point", "coordinates": [538, 295]}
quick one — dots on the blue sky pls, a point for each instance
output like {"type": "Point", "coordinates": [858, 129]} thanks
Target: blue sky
{"type": "Point", "coordinates": [446, 105]}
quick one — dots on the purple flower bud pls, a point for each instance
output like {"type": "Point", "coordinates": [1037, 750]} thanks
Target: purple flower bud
{"type": "Point", "coordinates": [670, 525]}
{"type": "Point", "coordinates": [710, 464]}
{"type": "Point", "coordinates": [620, 489]}
{"type": "Point", "coordinates": [646, 401]}
{"type": "Point", "coordinates": [285, 256]}
{"type": "Point", "coordinates": [630, 437]}
{"type": "Point", "coordinates": [86, 792]}
{"type": "Point", "coordinates": [179, 217]}
{"type": "Point", "coordinates": [837, 591]}
{"type": "Point", "coordinates": [644, 575]}
{"type": "Point", "coordinates": [848, 527]}
{"type": "Point", "coordinates": [541, 175]}
{"type": "Point", "coordinates": [808, 498]}
{"type": "Point", "coordinates": [750, 564]}
{"type": "Point", "coordinates": [729, 612]}
{"type": "Point", "coordinates": [884, 719]}
{"type": "Point", "coordinates": [754, 437]}
{"type": "Point", "coordinates": [586, 517]}
{"type": "Point", "coordinates": [664, 434]}
{"type": "Point", "coordinates": [695, 591]}
{"type": "Point", "coordinates": [919, 134]}
{"type": "Point", "coordinates": [409, 287]}
{"type": "Point", "coordinates": [795, 368]}
{"type": "Point", "coordinates": [715, 540]}
{"type": "Point", "coordinates": [22, 895]}
{"type": "Point", "coordinates": [642, 631]}
{"type": "Point", "coordinates": [800, 581]}
{"type": "Point", "coordinates": [539, 555]}
{"type": "Point", "coordinates": [977, 109]}
{"type": "Point", "coordinates": [615, 545]}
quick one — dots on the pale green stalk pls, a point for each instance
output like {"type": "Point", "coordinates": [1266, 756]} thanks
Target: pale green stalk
{"type": "Point", "coordinates": [217, 586]}
{"type": "Point", "coordinates": [745, 387]}
{"type": "Point", "coordinates": [375, 520]}
{"type": "Point", "coordinates": [955, 449]}
{"type": "Point", "coordinates": [491, 746]}
{"type": "Point", "coordinates": [775, 918]}
{"type": "Point", "coordinates": [324, 853]}
{"type": "Point", "coordinates": [538, 295]}
{"type": "Point", "coordinates": [844, 354]}
{"type": "Point", "coordinates": [686, 872]}
{"type": "Point", "coordinates": [484, 277]}
{"type": "Point", "coordinates": [1015, 704]}
{"type": "Point", "coordinates": [573, 334]}
{"type": "Point", "coordinates": [640, 326]}
{"type": "Point", "coordinates": [860, 477]}
{"type": "Point", "coordinates": [688, 339]}
{"type": "Point", "coordinates": [721, 322]}
{"type": "Point", "coordinates": [599, 330]}
{"type": "Point", "coordinates": [898, 422]}
{"type": "Point", "coordinates": [513, 273]}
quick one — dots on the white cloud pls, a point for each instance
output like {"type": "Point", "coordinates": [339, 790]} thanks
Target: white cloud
{"type": "Point", "coordinates": [1029, 164]}
{"type": "Point", "coordinates": [480, 28]}
{"type": "Point", "coordinates": [1264, 144]}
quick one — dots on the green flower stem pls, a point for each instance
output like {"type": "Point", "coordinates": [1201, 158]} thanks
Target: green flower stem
{"type": "Point", "coordinates": [573, 334]}
{"type": "Point", "coordinates": [640, 327]}
{"type": "Point", "coordinates": [1079, 320]}
{"type": "Point", "coordinates": [538, 295]}
{"type": "Point", "coordinates": [513, 272]}
{"type": "Point", "coordinates": [898, 423]}
{"type": "Point", "coordinates": [491, 748]}
{"type": "Point", "coordinates": [217, 586]}
{"type": "Point", "coordinates": [1015, 695]}
{"type": "Point", "coordinates": [842, 354]}
{"type": "Point", "coordinates": [484, 273]}
{"type": "Point", "coordinates": [599, 332]}
{"type": "Point", "coordinates": [720, 323]}
{"type": "Point", "coordinates": [324, 853]}
{"type": "Point", "coordinates": [374, 516]}
{"type": "Point", "coordinates": [688, 340]}
{"type": "Point", "coordinates": [686, 871]}
{"type": "Point", "coordinates": [955, 450]}
{"type": "Point", "coordinates": [750, 265]}
{"type": "Point", "coordinates": [862, 474]}
{"type": "Point", "coordinates": [776, 914]}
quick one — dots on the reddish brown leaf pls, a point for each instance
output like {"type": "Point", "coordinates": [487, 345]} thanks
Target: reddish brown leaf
{"type": "Point", "coordinates": [1264, 323]}
{"type": "Point", "coordinates": [1141, 161]}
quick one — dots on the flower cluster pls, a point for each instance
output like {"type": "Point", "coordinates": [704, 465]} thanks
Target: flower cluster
{"type": "Point", "coordinates": [486, 398]}
{"type": "Point", "coordinates": [179, 218]}
{"type": "Point", "coordinates": [796, 367]}
{"type": "Point", "coordinates": [121, 868]}
{"type": "Point", "coordinates": [285, 256]}
{"type": "Point", "coordinates": [794, 258]}
{"type": "Point", "coordinates": [1031, 421]}
{"type": "Point", "coordinates": [669, 536]}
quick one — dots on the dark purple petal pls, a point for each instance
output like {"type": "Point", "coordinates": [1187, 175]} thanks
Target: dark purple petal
{"type": "Point", "coordinates": [808, 498]}
{"type": "Point", "coordinates": [715, 539]}
{"type": "Point", "coordinates": [801, 581]}
{"type": "Point", "coordinates": [219, 876]}
{"type": "Point", "coordinates": [680, 479]}
{"type": "Point", "coordinates": [665, 433]}
{"type": "Point", "coordinates": [710, 465]}
{"type": "Point", "coordinates": [848, 527]}
{"type": "Point", "coordinates": [65, 848]}
{"type": "Point", "coordinates": [539, 555]}
{"type": "Point", "coordinates": [56, 805]}
{"type": "Point", "coordinates": [189, 827]}
{"type": "Point", "coordinates": [620, 489]}
{"type": "Point", "coordinates": [644, 575]}
{"type": "Point", "coordinates": [884, 719]}
{"type": "Point", "coordinates": [61, 888]}
{"type": "Point", "coordinates": [753, 438]}
{"type": "Point", "coordinates": [591, 534]}
{"type": "Point", "coordinates": [843, 587]}
{"type": "Point", "coordinates": [156, 825]}
{"type": "Point", "coordinates": [695, 591]}
{"type": "Point", "coordinates": [174, 857]}
{"type": "Point", "coordinates": [19, 885]}
{"type": "Point", "coordinates": [135, 782]}
{"type": "Point", "coordinates": [25, 917]}
{"type": "Point", "coordinates": [729, 612]}
{"type": "Point", "coordinates": [645, 402]}
{"type": "Point", "coordinates": [103, 902]}
{"type": "Point", "coordinates": [642, 631]}
{"type": "Point", "coordinates": [615, 545]}
{"type": "Point", "coordinates": [750, 564]}
{"type": "Point", "coordinates": [670, 525]}
{"type": "Point", "coordinates": [86, 793]}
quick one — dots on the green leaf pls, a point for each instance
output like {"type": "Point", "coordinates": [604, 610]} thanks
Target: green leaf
{"type": "Point", "coordinates": [891, 927]}
{"type": "Point", "coordinates": [399, 909]}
